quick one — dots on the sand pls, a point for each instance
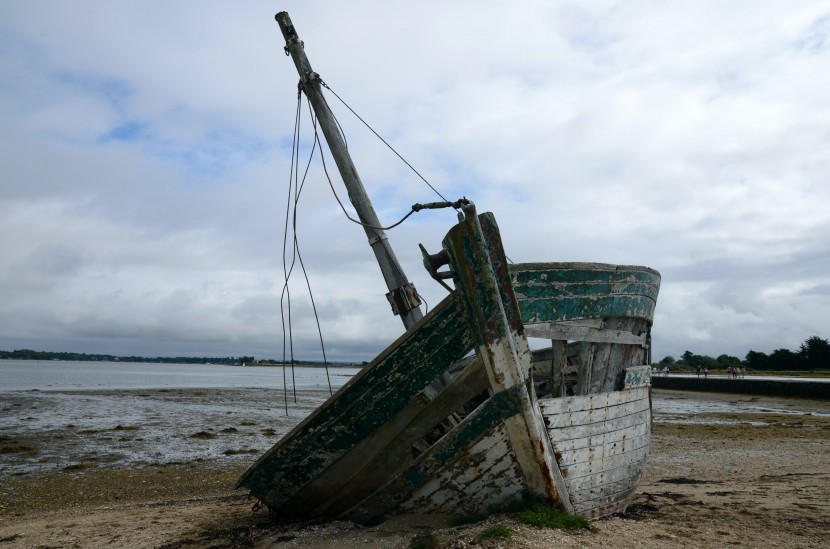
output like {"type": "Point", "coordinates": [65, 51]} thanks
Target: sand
{"type": "Point", "coordinates": [753, 480]}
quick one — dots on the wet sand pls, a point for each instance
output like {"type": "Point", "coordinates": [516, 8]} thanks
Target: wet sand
{"type": "Point", "coordinates": [720, 479]}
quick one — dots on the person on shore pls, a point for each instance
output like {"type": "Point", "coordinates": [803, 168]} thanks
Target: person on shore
{"type": "Point", "coordinates": [698, 371]}
{"type": "Point", "coordinates": [665, 371]}
{"type": "Point", "coordinates": [705, 372]}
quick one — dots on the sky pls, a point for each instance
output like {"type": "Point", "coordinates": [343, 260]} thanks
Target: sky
{"type": "Point", "coordinates": [146, 155]}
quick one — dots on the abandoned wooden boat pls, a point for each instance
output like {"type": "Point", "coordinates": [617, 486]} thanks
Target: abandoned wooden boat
{"type": "Point", "coordinates": [459, 414]}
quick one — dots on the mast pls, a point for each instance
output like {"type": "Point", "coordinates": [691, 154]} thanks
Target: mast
{"type": "Point", "coordinates": [402, 295]}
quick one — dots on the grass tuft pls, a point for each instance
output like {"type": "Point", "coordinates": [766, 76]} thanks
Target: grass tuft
{"type": "Point", "coordinates": [497, 532]}
{"type": "Point", "coordinates": [544, 516]}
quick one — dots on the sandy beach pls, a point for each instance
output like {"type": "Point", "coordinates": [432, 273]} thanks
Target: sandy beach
{"type": "Point", "coordinates": [756, 479]}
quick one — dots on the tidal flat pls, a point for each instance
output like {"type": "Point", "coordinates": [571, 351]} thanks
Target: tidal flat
{"type": "Point", "coordinates": [50, 431]}
{"type": "Point", "coordinates": [156, 468]}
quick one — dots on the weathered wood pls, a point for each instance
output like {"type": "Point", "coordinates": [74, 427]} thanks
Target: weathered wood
{"type": "Point", "coordinates": [558, 331]}
{"type": "Point", "coordinates": [559, 367]}
{"type": "Point", "coordinates": [602, 415]}
{"type": "Point", "coordinates": [601, 442]}
{"type": "Point", "coordinates": [554, 292]}
{"type": "Point", "coordinates": [370, 399]}
{"type": "Point", "coordinates": [389, 449]}
{"type": "Point", "coordinates": [595, 507]}
{"type": "Point", "coordinates": [596, 491]}
{"type": "Point", "coordinates": [610, 469]}
{"type": "Point", "coordinates": [595, 441]}
{"type": "Point", "coordinates": [607, 426]}
{"type": "Point", "coordinates": [554, 406]}
{"type": "Point", "coordinates": [493, 314]}
{"type": "Point", "coordinates": [396, 281]}
{"type": "Point", "coordinates": [585, 367]}
{"type": "Point", "coordinates": [450, 455]}
{"type": "Point", "coordinates": [490, 476]}
{"type": "Point", "coordinates": [623, 445]}
{"type": "Point", "coordinates": [637, 376]}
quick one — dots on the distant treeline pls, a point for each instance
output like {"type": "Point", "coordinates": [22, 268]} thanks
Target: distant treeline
{"type": "Point", "coordinates": [814, 354]}
{"type": "Point", "coordinates": [29, 354]}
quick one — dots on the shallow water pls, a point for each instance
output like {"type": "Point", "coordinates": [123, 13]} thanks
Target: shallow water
{"type": "Point", "coordinates": [46, 375]}
{"type": "Point", "coordinates": [73, 416]}
{"type": "Point", "coordinates": [77, 430]}
{"type": "Point", "coordinates": [77, 415]}
{"type": "Point", "coordinates": [698, 408]}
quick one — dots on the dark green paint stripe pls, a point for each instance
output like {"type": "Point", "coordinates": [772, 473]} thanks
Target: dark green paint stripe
{"type": "Point", "coordinates": [469, 262]}
{"type": "Point", "coordinates": [575, 308]}
{"type": "Point", "coordinates": [445, 453]}
{"type": "Point", "coordinates": [496, 409]}
{"type": "Point", "coordinates": [376, 395]}
{"type": "Point", "coordinates": [527, 291]}
{"type": "Point", "coordinates": [573, 273]}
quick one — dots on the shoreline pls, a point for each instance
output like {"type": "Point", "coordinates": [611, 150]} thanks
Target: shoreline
{"type": "Point", "coordinates": [757, 480]}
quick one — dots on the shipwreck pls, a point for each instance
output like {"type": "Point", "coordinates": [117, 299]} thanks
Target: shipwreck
{"type": "Point", "coordinates": [460, 414]}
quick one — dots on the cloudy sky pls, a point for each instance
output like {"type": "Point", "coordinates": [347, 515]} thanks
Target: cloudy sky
{"type": "Point", "coordinates": [146, 149]}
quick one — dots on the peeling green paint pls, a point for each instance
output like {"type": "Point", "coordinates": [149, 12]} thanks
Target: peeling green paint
{"type": "Point", "coordinates": [555, 292]}
{"type": "Point", "coordinates": [575, 308]}
{"type": "Point", "coordinates": [470, 245]}
{"type": "Point", "coordinates": [366, 403]}
{"type": "Point", "coordinates": [484, 419]}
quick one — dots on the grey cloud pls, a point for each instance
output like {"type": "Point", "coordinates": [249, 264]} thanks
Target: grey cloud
{"type": "Point", "coordinates": [143, 195]}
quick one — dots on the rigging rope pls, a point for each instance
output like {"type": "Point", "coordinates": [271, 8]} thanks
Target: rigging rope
{"type": "Point", "coordinates": [322, 83]}
{"type": "Point", "coordinates": [295, 187]}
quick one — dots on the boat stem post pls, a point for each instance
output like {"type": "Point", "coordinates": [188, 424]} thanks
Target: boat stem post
{"type": "Point", "coordinates": [402, 294]}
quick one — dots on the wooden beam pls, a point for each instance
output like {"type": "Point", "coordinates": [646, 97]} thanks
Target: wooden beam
{"type": "Point", "coordinates": [370, 399]}
{"type": "Point", "coordinates": [555, 330]}
{"type": "Point", "coordinates": [389, 450]}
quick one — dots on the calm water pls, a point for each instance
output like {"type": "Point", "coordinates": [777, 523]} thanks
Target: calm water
{"type": "Point", "coordinates": [46, 375]}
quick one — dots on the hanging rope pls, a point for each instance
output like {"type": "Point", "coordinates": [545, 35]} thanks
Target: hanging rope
{"type": "Point", "coordinates": [295, 188]}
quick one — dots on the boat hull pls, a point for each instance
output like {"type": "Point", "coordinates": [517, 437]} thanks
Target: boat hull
{"type": "Point", "coordinates": [459, 415]}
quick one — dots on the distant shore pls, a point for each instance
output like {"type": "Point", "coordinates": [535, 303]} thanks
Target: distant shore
{"type": "Point", "coordinates": [752, 480]}
{"type": "Point", "coordinates": [818, 388]}
{"type": "Point", "coordinates": [225, 361]}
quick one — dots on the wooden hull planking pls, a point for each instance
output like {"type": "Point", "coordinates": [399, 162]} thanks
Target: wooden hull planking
{"type": "Point", "coordinates": [421, 430]}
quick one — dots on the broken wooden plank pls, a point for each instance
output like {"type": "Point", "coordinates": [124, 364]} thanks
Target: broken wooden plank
{"type": "Point", "coordinates": [389, 450]}
{"type": "Point", "coordinates": [493, 315]}
{"type": "Point", "coordinates": [450, 455]}
{"type": "Point", "coordinates": [558, 331]}
{"type": "Point", "coordinates": [364, 404]}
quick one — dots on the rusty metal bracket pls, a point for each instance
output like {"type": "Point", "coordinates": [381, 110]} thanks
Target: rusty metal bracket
{"type": "Point", "coordinates": [433, 262]}
{"type": "Point", "coordinates": [403, 299]}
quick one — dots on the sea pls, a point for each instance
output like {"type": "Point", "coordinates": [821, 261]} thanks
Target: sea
{"type": "Point", "coordinates": [55, 375]}
{"type": "Point", "coordinates": [74, 416]}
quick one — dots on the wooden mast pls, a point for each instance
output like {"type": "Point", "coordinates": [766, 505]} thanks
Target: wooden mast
{"type": "Point", "coordinates": [402, 295]}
